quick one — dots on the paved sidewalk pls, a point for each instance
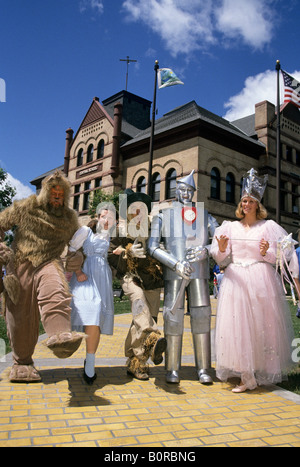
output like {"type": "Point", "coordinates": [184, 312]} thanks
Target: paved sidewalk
{"type": "Point", "coordinates": [120, 411]}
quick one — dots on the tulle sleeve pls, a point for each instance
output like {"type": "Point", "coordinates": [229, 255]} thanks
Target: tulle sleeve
{"type": "Point", "coordinates": [274, 233]}
{"type": "Point", "coordinates": [219, 257]}
{"type": "Point", "coordinates": [79, 238]}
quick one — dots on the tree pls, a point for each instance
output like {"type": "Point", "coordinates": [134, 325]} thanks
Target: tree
{"type": "Point", "coordinates": [101, 197]}
{"type": "Point", "coordinates": [7, 192]}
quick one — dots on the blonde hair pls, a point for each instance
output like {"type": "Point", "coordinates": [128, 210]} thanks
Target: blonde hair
{"type": "Point", "coordinates": [261, 212]}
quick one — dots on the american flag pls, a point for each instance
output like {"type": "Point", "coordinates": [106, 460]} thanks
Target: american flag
{"type": "Point", "coordinates": [291, 89]}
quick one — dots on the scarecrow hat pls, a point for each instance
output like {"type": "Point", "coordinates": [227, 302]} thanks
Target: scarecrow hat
{"type": "Point", "coordinates": [132, 197]}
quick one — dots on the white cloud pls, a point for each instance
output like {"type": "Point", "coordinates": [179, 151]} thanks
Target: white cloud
{"type": "Point", "coordinates": [256, 89]}
{"type": "Point", "coordinates": [250, 20]}
{"type": "Point", "coordinates": [179, 24]}
{"type": "Point", "coordinates": [189, 25]}
{"type": "Point", "coordinates": [22, 190]}
{"type": "Point", "coordinates": [96, 5]}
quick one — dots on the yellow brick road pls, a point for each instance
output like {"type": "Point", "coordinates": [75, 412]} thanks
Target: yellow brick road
{"type": "Point", "coordinates": [120, 411]}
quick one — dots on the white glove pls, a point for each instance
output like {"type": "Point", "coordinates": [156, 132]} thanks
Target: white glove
{"type": "Point", "coordinates": [198, 253]}
{"type": "Point", "coordinates": [137, 250]}
{"type": "Point", "coordinates": [183, 269]}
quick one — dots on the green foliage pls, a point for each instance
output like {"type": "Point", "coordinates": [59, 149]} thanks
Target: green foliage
{"type": "Point", "coordinates": [101, 197]}
{"type": "Point", "coordinates": [7, 192]}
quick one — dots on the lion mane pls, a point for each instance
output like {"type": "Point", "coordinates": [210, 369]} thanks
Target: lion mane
{"type": "Point", "coordinates": [41, 232]}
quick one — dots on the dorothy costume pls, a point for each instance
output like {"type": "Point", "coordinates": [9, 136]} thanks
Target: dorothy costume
{"type": "Point", "coordinates": [92, 301]}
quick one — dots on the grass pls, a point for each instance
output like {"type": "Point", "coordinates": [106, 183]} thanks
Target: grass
{"type": "Point", "coordinates": [123, 306]}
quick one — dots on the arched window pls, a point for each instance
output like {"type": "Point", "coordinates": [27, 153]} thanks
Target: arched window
{"type": "Point", "coordinates": [80, 157]}
{"type": "Point", "coordinates": [230, 188]}
{"type": "Point", "coordinates": [156, 187]}
{"type": "Point", "coordinates": [215, 181]}
{"type": "Point", "coordinates": [100, 149]}
{"type": "Point", "coordinates": [171, 184]}
{"type": "Point", "coordinates": [90, 153]}
{"type": "Point", "coordinates": [141, 185]}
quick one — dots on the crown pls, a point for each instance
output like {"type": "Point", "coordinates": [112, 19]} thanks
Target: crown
{"type": "Point", "coordinates": [253, 185]}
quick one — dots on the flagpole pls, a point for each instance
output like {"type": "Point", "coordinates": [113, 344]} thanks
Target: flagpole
{"type": "Point", "coordinates": [278, 149]}
{"type": "Point", "coordinates": [156, 66]}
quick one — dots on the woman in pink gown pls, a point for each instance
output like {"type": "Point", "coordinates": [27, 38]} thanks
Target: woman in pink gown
{"type": "Point", "coordinates": [254, 330]}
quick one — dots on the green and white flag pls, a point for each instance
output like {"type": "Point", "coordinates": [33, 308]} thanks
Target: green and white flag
{"type": "Point", "coordinates": [166, 77]}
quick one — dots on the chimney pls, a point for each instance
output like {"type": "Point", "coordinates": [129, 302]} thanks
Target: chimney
{"type": "Point", "coordinates": [115, 169]}
{"type": "Point", "coordinates": [69, 139]}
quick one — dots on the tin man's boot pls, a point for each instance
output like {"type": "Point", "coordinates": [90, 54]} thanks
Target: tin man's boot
{"type": "Point", "coordinates": [202, 354]}
{"type": "Point", "coordinates": [173, 358]}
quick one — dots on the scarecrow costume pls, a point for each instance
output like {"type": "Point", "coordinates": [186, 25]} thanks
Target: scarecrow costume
{"type": "Point", "coordinates": [34, 283]}
{"type": "Point", "coordinates": [141, 279]}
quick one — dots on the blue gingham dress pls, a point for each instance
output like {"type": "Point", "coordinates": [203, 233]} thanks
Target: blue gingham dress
{"type": "Point", "coordinates": [92, 301]}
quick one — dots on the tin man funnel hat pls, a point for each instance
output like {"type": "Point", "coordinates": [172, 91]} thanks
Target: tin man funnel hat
{"type": "Point", "coordinates": [253, 185]}
{"type": "Point", "coordinates": [188, 180]}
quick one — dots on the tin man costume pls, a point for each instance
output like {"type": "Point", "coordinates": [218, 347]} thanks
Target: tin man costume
{"type": "Point", "coordinates": [179, 236]}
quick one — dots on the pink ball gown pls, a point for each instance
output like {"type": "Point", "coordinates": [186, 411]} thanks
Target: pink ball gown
{"type": "Point", "coordinates": [254, 330]}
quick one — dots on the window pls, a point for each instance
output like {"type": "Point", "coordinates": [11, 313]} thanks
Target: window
{"type": "Point", "coordinates": [90, 153]}
{"type": "Point", "coordinates": [156, 187]}
{"type": "Point", "coordinates": [80, 157]}
{"type": "Point", "coordinates": [86, 198]}
{"type": "Point", "coordinates": [141, 185]}
{"type": "Point", "coordinates": [230, 188]}
{"type": "Point", "coordinates": [241, 186]}
{"type": "Point", "coordinates": [171, 184]}
{"type": "Point", "coordinates": [295, 199]}
{"type": "Point", "coordinates": [76, 197]}
{"type": "Point", "coordinates": [98, 182]}
{"type": "Point", "coordinates": [100, 149]}
{"type": "Point", "coordinates": [215, 181]}
{"type": "Point", "coordinates": [289, 154]}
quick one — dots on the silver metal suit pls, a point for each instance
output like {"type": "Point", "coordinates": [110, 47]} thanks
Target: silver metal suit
{"type": "Point", "coordinates": [179, 237]}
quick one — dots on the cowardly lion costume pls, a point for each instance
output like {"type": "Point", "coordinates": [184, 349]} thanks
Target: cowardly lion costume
{"type": "Point", "coordinates": [34, 283]}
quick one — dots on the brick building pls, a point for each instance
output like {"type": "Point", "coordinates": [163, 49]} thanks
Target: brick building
{"type": "Point", "coordinates": [111, 150]}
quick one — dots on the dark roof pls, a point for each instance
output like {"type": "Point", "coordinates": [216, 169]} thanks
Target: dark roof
{"type": "Point", "coordinates": [39, 179]}
{"type": "Point", "coordinates": [187, 113]}
{"type": "Point", "coordinates": [135, 111]}
{"type": "Point", "coordinates": [247, 125]}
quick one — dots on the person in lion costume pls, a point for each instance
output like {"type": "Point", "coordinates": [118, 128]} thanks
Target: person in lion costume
{"type": "Point", "coordinates": [34, 281]}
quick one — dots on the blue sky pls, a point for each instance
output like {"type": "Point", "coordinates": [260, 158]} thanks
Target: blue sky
{"type": "Point", "coordinates": [56, 55]}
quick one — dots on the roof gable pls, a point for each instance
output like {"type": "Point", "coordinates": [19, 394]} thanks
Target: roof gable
{"type": "Point", "coordinates": [95, 112]}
